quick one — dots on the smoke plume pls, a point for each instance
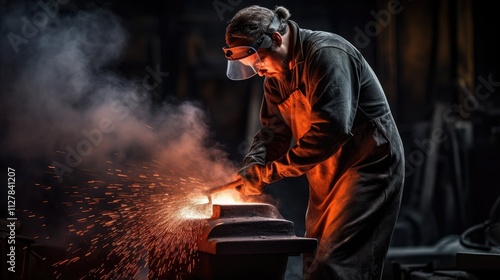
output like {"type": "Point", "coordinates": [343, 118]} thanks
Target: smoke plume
{"type": "Point", "coordinates": [58, 98]}
{"type": "Point", "coordinates": [88, 138]}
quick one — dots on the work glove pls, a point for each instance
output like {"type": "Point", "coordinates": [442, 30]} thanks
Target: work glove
{"type": "Point", "coordinates": [252, 179]}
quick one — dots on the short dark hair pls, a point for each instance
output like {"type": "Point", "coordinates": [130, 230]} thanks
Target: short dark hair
{"type": "Point", "coordinates": [252, 22]}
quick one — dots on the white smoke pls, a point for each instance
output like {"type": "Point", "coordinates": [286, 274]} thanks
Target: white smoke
{"type": "Point", "coordinates": [60, 104]}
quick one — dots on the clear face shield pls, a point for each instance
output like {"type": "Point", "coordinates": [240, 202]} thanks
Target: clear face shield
{"type": "Point", "coordinates": [244, 62]}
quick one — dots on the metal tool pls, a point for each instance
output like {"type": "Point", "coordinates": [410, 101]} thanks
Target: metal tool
{"type": "Point", "coordinates": [235, 185]}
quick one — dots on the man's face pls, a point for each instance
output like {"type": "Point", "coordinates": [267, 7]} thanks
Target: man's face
{"type": "Point", "coordinates": [274, 64]}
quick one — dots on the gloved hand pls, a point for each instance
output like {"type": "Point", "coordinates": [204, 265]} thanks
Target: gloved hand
{"type": "Point", "coordinates": [252, 179]}
{"type": "Point", "coordinates": [248, 181]}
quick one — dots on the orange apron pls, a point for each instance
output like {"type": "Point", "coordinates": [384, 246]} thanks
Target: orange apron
{"type": "Point", "coordinates": [343, 204]}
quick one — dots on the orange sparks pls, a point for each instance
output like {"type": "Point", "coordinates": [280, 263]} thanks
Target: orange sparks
{"type": "Point", "coordinates": [148, 216]}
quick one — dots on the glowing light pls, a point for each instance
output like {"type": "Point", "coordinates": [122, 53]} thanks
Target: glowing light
{"type": "Point", "coordinates": [227, 197]}
{"type": "Point", "coordinates": [198, 208]}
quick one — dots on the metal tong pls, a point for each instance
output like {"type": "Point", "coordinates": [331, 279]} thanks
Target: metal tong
{"type": "Point", "coordinates": [235, 185]}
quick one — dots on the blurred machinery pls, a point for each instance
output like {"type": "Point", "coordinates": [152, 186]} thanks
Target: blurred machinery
{"type": "Point", "coordinates": [474, 254]}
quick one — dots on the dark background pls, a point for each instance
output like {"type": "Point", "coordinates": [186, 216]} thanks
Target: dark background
{"type": "Point", "coordinates": [432, 58]}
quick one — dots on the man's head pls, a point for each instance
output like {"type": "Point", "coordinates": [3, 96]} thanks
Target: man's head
{"type": "Point", "coordinates": [257, 42]}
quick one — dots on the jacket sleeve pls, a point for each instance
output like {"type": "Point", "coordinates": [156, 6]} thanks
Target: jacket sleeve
{"type": "Point", "coordinates": [274, 137]}
{"type": "Point", "coordinates": [332, 87]}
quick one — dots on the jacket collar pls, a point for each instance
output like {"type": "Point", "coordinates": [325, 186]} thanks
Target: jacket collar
{"type": "Point", "coordinates": [297, 55]}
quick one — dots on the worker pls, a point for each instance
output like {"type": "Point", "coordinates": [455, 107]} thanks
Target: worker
{"type": "Point", "coordinates": [324, 114]}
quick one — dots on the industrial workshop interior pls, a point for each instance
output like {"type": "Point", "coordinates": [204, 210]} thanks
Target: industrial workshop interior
{"type": "Point", "coordinates": [118, 120]}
